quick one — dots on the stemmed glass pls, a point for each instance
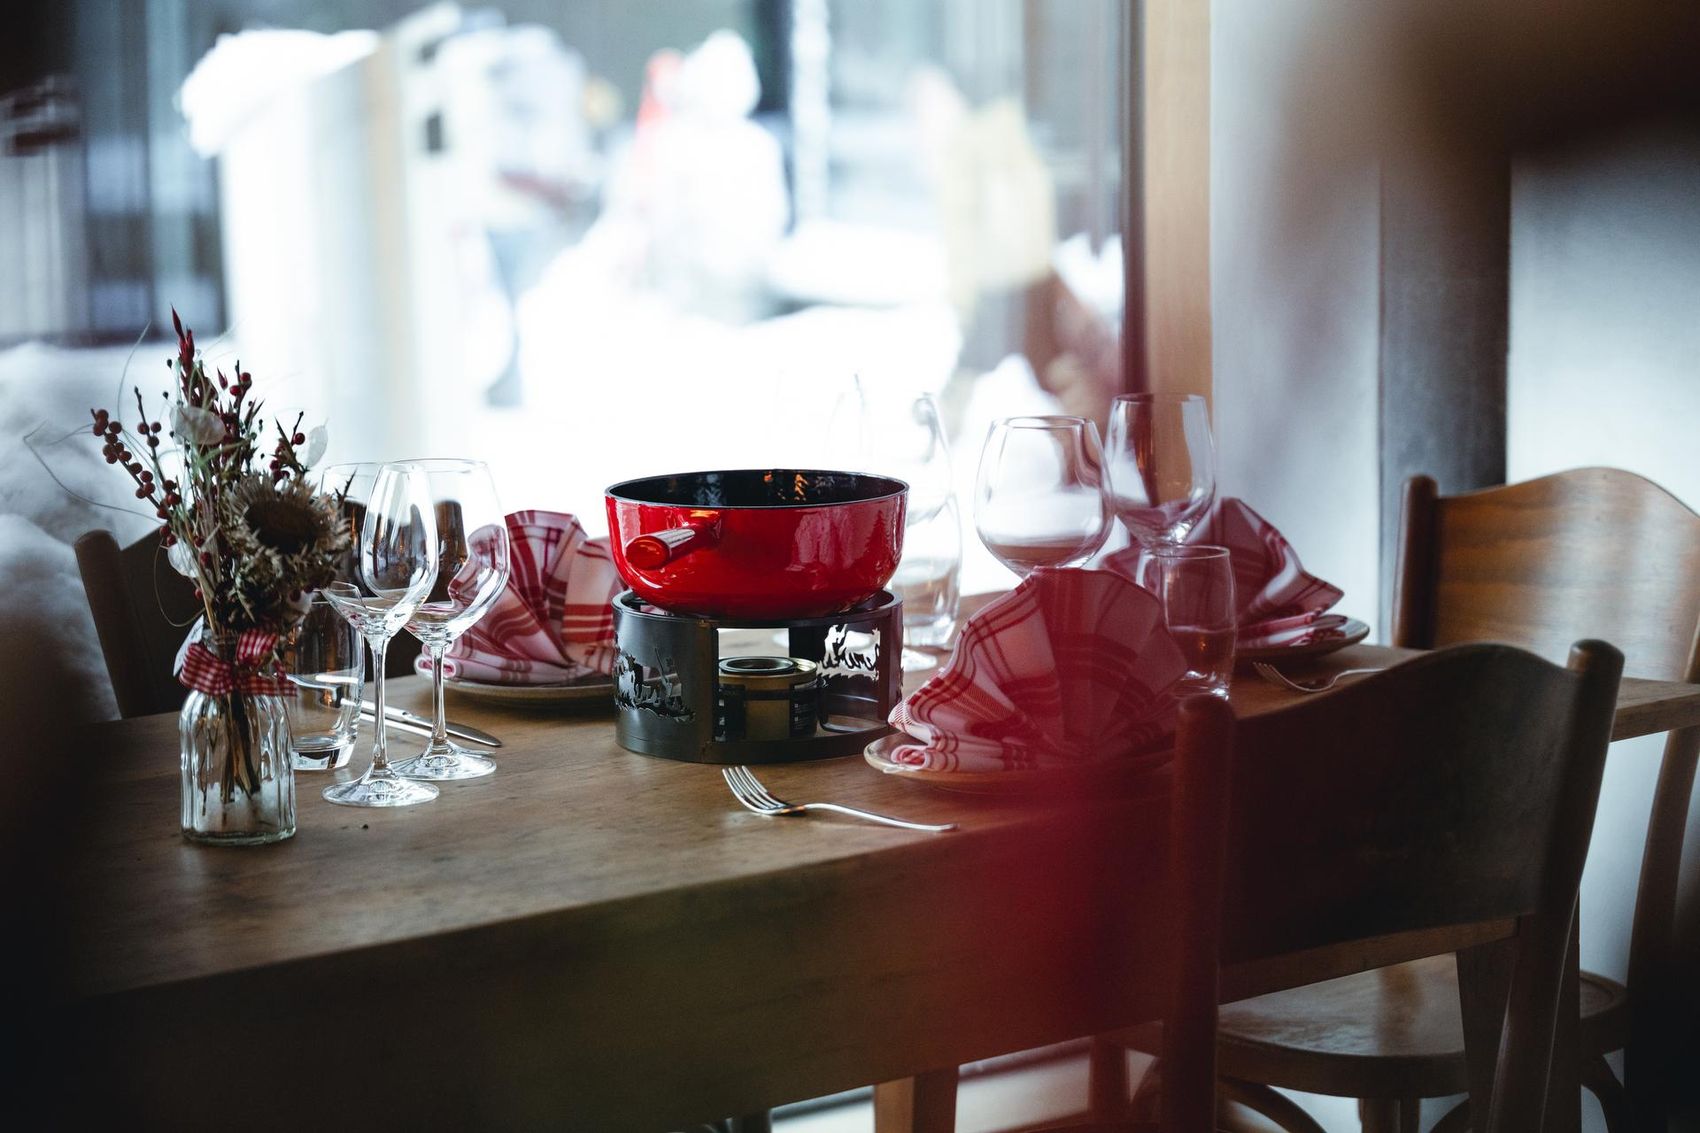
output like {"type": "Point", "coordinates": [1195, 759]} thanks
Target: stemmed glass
{"type": "Point", "coordinates": [1040, 499]}
{"type": "Point", "coordinates": [472, 545]}
{"type": "Point", "coordinates": [1161, 465]}
{"type": "Point", "coordinates": [902, 435]}
{"type": "Point", "coordinates": [391, 571]}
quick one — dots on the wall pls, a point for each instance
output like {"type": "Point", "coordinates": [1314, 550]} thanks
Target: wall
{"type": "Point", "coordinates": [1605, 369]}
{"type": "Point", "coordinates": [1604, 361]}
{"type": "Point", "coordinates": [1294, 309]}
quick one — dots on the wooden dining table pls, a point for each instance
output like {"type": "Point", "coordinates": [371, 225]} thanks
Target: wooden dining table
{"type": "Point", "coordinates": [592, 939]}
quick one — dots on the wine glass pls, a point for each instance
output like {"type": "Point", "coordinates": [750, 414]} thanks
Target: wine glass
{"type": "Point", "coordinates": [472, 545]}
{"type": "Point", "coordinates": [893, 433]}
{"type": "Point", "coordinates": [902, 435]}
{"type": "Point", "coordinates": [1161, 465]}
{"type": "Point", "coordinates": [1039, 499]}
{"type": "Point", "coordinates": [391, 571]}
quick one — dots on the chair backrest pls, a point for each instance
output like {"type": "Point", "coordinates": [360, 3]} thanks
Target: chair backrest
{"type": "Point", "coordinates": [1595, 552]}
{"type": "Point", "coordinates": [1456, 788]}
{"type": "Point", "coordinates": [1198, 821]}
{"type": "Point", "coordinates": [142, 611]}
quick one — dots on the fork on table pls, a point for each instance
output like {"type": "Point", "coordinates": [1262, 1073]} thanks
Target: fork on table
{"type": "Point", "coordinates": [749, 791]}
{"type": "Point", "coordinates": [1276, 677]}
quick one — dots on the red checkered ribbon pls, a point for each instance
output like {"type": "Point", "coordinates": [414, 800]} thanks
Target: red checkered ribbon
{"type": "Point", "coordinates": [554, 621]}
{"type": "Point", "coordinates": [1070, 667]}
{"type": "Point", "coordinates": [1279, 602]}
{"type": "Point", "coordinates": [205, 671]}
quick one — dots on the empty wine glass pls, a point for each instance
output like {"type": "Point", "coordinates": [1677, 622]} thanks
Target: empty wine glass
{"type": "Point", "coordinates": [1039, 499]}
{"type": "Point", "coordinates": [1161, 465]}
{"type": "Point", "coordinates": [901, 434]}
{"type": "Point", "coordinates": [392, 570]}
{"type": "Point", "coordinates": [896, 433]}
{"type": "Point", "coordinates": [472, 570]}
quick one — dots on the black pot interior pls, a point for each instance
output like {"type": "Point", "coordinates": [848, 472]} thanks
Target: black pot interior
{"type": "Point", "coordinates": [758, 487]}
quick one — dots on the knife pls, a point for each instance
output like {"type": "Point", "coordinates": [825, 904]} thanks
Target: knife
{"type": "Point", "coordinates": [413, 719]}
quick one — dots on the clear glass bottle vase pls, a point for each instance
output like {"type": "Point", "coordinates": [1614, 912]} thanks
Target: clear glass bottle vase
{"type": "Point", "coordinates": [238, 781]}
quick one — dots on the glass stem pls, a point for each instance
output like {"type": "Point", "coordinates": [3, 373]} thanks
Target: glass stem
{"type": "Point", "coordinates": [380, 758]}
{"type": "Point", "coordinates": [439, 722]}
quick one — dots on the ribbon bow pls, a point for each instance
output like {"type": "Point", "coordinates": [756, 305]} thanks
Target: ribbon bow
{"type": "Point", "coordinates": [204, 671]}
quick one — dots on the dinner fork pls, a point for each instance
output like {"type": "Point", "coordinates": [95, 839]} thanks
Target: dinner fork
{"type": "Point", "coordinates": [749, 791]}
{"type": "Point", "coordinates": [1276, 677]}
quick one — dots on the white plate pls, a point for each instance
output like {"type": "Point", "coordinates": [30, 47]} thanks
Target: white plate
{"type": "Point", "coordinates": [1034, 782]}
{"type": "Point", "coordinates": [584, 691]}
{"type": "Point", "coordinates": [1351, 633]}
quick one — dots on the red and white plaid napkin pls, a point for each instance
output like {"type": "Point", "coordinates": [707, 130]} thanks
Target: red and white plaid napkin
{"type": "Point", "coordinates": [554, 621]}
{"type": "Point", "coordinates": [1070, 668]}
{"type": "Point", "coordinates": [1280, 603]}
{"type": "Point", "coordinates": [253, 668]}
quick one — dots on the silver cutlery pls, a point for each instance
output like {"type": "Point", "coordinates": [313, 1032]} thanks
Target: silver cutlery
{"type": "Point", "coordinates": [415, 721]}
{"type": "Point", "coordinates": [749, 791]}
{"type": "Point", "coordinates": [1276, 677]}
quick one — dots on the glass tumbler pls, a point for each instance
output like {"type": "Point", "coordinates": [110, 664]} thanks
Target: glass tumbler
{"type": "Point", "coordinates": [325, 660]}
{"type": "Point", "coordinates": [1195, 583]}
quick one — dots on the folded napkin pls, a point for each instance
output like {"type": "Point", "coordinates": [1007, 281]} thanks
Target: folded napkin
{"type": "Point", "coordinates": [554, 621]}
{"type": "Point", "coordinates": [1280, 604]}
{"type": "Point", "coordinates": [1070, 668]}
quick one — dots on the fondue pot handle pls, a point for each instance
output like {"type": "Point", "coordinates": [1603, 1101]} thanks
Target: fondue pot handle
{"type": "Point", "coordinates": [658, 548]}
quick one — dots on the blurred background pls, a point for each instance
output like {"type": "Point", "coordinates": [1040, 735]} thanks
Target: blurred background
{"type": "Point", "coordinates": [583, 241]}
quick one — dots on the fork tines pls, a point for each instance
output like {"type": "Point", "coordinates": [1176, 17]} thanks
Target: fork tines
{"type": "Point", "coordinates": [749, 791]}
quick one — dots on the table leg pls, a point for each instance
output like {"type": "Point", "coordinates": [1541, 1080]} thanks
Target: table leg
{"type": "Point", "coordinates": [1106, 1081]}
{"type": "Point", "coordinates": [925, 1103]}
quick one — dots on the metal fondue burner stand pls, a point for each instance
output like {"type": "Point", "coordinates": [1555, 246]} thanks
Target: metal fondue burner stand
{"type": "Point", "coordinates": [669, 701]}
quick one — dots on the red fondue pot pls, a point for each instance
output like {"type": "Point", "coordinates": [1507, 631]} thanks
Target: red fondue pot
{"type": "Point", "coordinates": [757, 543]}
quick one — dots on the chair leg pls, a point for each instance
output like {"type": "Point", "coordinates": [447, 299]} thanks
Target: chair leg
{"type": "Point", "coordinates": [925, 1103]}
{"type": "Point", "coordinates": [1106, 1082]}
{"type": "Point", "coordinates": [1603, 1084]}
{"type": "Point", "coordinates": [1270, 1103]}
{"type": "Point", "coordinates": [1380, 1115]}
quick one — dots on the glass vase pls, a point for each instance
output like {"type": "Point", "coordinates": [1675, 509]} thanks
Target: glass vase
{"type": "Point", "coordinates": [238, 782]}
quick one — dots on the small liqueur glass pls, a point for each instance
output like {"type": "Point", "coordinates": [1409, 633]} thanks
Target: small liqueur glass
{"type": "Point", "coordinates": [1195, 584]}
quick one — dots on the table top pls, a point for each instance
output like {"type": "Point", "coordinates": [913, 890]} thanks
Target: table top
{"type": "Point", "coordinates": [569, 820]}
{"type": "Point", "coordinates": [575, 844]}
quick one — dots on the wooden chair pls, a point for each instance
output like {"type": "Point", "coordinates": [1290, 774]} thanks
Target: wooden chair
{"type": "Point", "coordinates": [142, 611]}
{"type": "Point", "coordinates": [1594, 551]}
{"type": "Point", "coordinates": [1198, 816]}
{"type": "Point", "coordinates": [1366, 814]}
